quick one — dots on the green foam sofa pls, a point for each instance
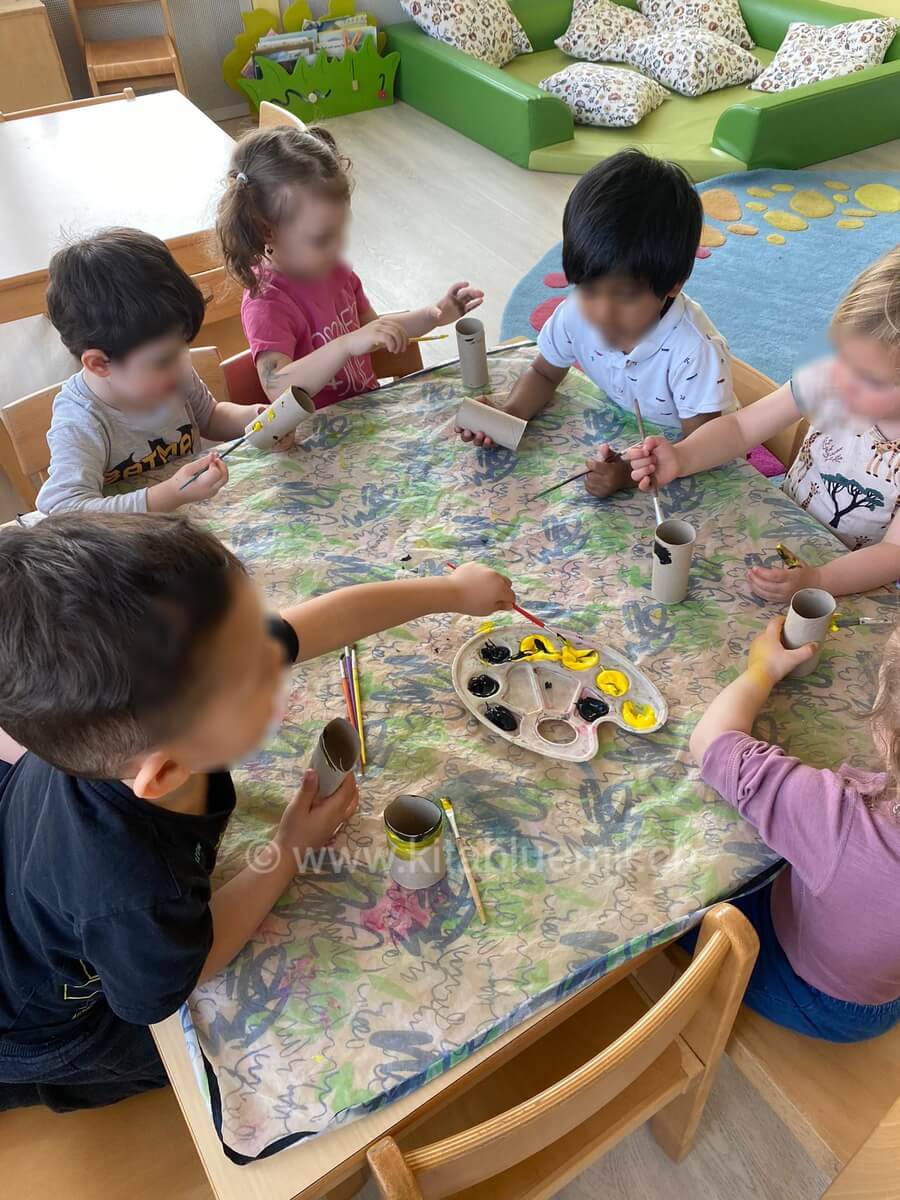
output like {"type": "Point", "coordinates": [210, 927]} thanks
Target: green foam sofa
{"type": "Point", "coordinates": [730, 130]}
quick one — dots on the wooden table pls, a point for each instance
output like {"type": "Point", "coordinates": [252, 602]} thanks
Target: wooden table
{"type": "Point", "coordinates": [31, 71]}
{"type": "Point", "coordinates": [154, 163]}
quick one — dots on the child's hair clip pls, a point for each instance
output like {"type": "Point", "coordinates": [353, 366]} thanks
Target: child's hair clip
{"type": "Point", "coordinates": [241, 177]}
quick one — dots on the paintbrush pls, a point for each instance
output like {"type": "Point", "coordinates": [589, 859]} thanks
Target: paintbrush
{"type": "Point", "coordinates": [431, 337]}
{"type": "Point", "coordinates": [529, 616]}
{"type": "Point", "coordinates": [788, 557]}
{"type": "Point", "coordinates": [224, 454]}
{"type": "Point", "coordinates": [464, 858]}
{"type": "Point", "coordinates": [614, 456]}
{"type": "Point", "coordinates": [839, 622]}
{"type": "Point", "coordinates": [348, 698]}
{"type": "Point", "coordinates": [654, 486]}
{"type": "Point", "coordinates": [357, 700]}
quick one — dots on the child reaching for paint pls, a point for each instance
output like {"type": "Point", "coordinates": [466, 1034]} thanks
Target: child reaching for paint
{"type": "Point", "coordinates": [282, 222]}
{"type": "Point", "coordinates": [829, 959]}
{"type": "Point", "coordinates": [631, 230]}
{"type": "Point", "coordinates": [136, 658]}
{"type": "Point", "coordinates": [847, 473]}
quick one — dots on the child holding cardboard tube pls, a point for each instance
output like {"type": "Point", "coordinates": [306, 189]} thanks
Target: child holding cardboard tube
{"type": "Point", "coordinates": [829, 960]}
{"type": "Point", "coordinates": [847, 472]}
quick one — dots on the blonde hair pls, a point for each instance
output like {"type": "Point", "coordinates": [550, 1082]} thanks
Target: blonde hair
{"type": "Point", "coordinates": [267, 166]}
{"type": "Point", "coordinates": [872, 305]}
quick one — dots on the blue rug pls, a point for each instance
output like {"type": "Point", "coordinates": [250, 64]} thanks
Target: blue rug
{"type": "Point", "coordinates": [772, 302]}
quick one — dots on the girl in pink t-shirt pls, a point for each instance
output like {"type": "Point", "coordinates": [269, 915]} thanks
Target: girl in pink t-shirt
{"type": "Point", "coordinates": [282, 221]}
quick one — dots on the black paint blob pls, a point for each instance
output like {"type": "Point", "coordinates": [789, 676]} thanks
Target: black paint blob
{"type": "Point", "coordinates": [661, 553]}
{"type": "Point", "coordinates": [501, 717]}
{"type": "Point", "coordinates": [483, 685]}
{"type": "Point", "coordinates": [492, 653]}
{"type": "Point", "coordinates": [592, 708]}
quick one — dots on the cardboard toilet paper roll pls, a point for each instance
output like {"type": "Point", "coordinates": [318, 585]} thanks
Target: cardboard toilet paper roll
{"type": "Point", "coordinates": [501, 427]}
{"type": "Point", "coordinates": [473, 362]}
{"type": "Point", "coordinates": [279, 419]}
{"type": "Point", "coordinates": [808, 620]}
{"type": "Point", "coordinates": [335, 755]}
{"type": "Point", "coordinates": [673, 549]}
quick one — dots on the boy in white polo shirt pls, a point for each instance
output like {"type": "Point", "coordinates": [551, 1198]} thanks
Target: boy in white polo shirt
{"type": "Point", "coordinates": [630, 234]}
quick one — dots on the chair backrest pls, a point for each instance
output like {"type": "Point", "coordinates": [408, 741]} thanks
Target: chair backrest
{"type": "Point", "coordinates": [76, 5]}
{"type": "Point", "coordinates": [222, 294]}
{"type": "Point", "coordinates": [751, 385]}
{"type": "Point", "coordinates": [273, 114]}
{"type": "Point", "coordinates": [727, 945]}
{"type": "Point", "coordinates": [125, 94]}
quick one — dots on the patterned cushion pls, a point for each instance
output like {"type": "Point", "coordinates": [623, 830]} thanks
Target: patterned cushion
{"type": "Point", "coordinates": [810, 53]}
{"type": "Point", "coordinates": [485, 29]}
{"type": "Point", "coordinates": [722, 17]}
{"type": "Point", "coordinates": [601, 29]}
{"type": "Point", "coordinates": [605, 95]}
{"type": "Point", "coordinates": [692, 61]}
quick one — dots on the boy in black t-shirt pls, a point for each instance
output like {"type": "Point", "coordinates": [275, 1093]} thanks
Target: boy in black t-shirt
{"type": "Point", "coordinates": [135, 660]}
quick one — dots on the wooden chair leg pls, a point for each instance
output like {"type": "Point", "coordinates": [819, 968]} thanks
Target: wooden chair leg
{"type": "Point", "coordinates": [179, 76]}
{"type": "Point", "coordinates": [675, 1126]}
{"type": "Point", "coordinates": [389, 1170]}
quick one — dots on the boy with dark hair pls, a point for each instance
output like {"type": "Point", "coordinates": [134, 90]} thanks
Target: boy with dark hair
{"type": "Point", "coordinates": [630, 235]}
{"type": "Point", "coordinates": [136, 661]}
{"type": "Point", "coordinates": [124, 307]}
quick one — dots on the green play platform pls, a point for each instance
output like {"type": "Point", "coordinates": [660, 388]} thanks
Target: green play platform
{"type": "Point", "coordinates": [730, 130]}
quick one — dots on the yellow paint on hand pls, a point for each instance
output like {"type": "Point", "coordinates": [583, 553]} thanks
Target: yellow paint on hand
{"type": "Point", "coordinates": [812, 204]}
{"type": "Point", "coordinates": [710, 236]}
{"type": "Point", "coordinates": [721, 204]}
{"type": "Point", "coordinates": [638, 716]}
{"type": "Point", "coordinates": [782, 187]}
{"type": "Point", "coordinates": [851, 223]}
{"type": "Point", "coordinates": [579, 660]}
{"type": "Point", "coordinates": [881, 196]}
{"type": "Point", "coordinates": [841, 197]}
{"type": "Point", "coordinates": [785, 220]}
{"type": "Point", "coordinates": [755, 206]}
{"type": "Point", "coordinates": [760, 192]}
{"type": "Point", "coordinates": [743, 230]}
{"type": "Point", "coordinates": [537, 648]}
{"type": "Point", "coordinates": [858, 212]}
{"type": "Point", "coordinates": [613, 683]}
{"type": "Point", "coordinates": [836, 185]}
{"type": "Point", "coordinates": [775, 239]}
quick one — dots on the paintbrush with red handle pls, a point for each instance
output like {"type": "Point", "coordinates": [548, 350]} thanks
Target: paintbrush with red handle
{"type": "Point", "coordinates": [528, 616]}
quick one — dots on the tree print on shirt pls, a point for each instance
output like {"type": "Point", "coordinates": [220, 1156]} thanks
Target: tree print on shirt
{"type": "Point", "coordinates": [860, 496]}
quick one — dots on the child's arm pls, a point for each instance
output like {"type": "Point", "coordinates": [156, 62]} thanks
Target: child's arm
{"type": "Point", "coordinates": [859, 571]}
{"type": "Point", "coordinates": [350, 614]}
{"type": "Point", "coordinates": [460, 298]}
{"type": "Point", "coordinates": [715, 442]}
{"type": "Point", "coordinates": [531, 394]}
{"type": "Point", "coordinates": [315, 371]}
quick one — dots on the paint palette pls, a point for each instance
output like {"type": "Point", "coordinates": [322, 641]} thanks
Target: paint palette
{"type": "Point", "coordinates": [553, 698]}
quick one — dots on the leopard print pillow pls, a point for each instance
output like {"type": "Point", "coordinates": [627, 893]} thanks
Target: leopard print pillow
{"type": "Point", "coordinates": [691, 61]}
{"type": "Point", "coordinates": [722, 17]}
{"type": "Point", "coordinates": [485, 29]}
{"type": "Point", "coordinates": [811, 53]}
{"type": "Point", "coordinates": [609, 96]}
{"type": "Point", "coordinates": [600, 30]}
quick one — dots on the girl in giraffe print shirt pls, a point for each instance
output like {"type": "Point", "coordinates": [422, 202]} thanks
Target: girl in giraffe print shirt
{"type": "Point", "coordinates": [847, 472]}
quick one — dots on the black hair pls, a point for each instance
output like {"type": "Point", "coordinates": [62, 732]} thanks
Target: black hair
{"type": "Point", "coordinates": [118, 290]}
{"type": "Point", "coordinates": [636, 216]}
{"type": "Point", "coordinates": [104, 620]}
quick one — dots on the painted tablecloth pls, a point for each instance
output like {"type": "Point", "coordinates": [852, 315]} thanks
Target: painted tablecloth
{"type": "Point", "coordinates": [354, 992]}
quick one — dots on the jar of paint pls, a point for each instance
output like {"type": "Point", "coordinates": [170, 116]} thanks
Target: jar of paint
{"type": "Point", "coordinates": [415, 835]}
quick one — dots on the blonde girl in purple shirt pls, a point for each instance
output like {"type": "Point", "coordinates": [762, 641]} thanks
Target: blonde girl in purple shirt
{"type": "Point", "coordinates": [829, 925]}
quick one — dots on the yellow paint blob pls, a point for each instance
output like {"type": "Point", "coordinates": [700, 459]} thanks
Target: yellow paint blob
{"type": "Point", "coordinates": [613, 683]}
{"type": "Point", "coordinates": [486, 627]}
{"type": "Point", "coordinates": [812, 204]}
{"type": "Point", "coordinates": [721, 204]}
{"type": "Point", "coordinates": [710, 236]}
{"type": "Point", "coordinates": [851, 223]}
{"type": "Point", "coordinates": [841, 197]}
{"type": "Point", "coordinates": [743, 230]}
{"type": "Point", "coordinates": [755, 206]}
{"type": "Point", "coordinates": [881, 196]}
{"type": "Point", "coordinates": [760, 192]}
{"type": "Point", "coordinates": [836, 185]}
{"type": "Point", "coordinates": [858, 212]}
{"type": "Point", "coordinates": [782, 187]}
{"type": "Point", "coordinates": [638, 716]}
{"type": "Point", "coordinates": [785, 220]}
{"type": "Point", "coordinates": [538, 648]}
{"type": "Point", "coordinates": [775, 239]}
{"type": "Point", "coordinates": [578, 660]}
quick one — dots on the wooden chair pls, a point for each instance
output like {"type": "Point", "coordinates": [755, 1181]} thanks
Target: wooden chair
{"type": "Point", "coordinates": [542, 1117]}
{"type": "Point", "coordinates": [24, 453]}
{"type": "Point", "coordinates": [244, 386]}
{"type": "Point", "coordinates": [272, 114]}
{"type": "Point", "coordinates": [147, 62]}
{"type": "Point", "coordinates": [65, 105]}
{"type": "Point", "coordinates": [751, 385]}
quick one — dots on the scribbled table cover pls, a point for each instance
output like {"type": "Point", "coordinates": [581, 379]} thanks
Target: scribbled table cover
{"type": "Point", "coordinates": [354, 992]}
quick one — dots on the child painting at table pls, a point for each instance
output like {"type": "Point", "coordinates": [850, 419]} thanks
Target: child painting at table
{"type": "Point", "coordinates": [631, 230]}
{"type": "Point", "coordinates": [847, 473]}
{"type": "Point", "coordinates": [136, 659]}
{"type": "Point", "coordinates": [282, 221]}
{"type": "Point", "coordinates": [829, 960]}
{"type": "Point", "coordinates": [124, 307]}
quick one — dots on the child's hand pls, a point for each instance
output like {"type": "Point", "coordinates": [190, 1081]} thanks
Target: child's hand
{"type": "Point", "coordinates": [653, 458]}
{"type": "Point", "coordinates": [384, 333]}
{"type": "Point", "coordinates": [309, 823]}
{"type": "Point", "coordinates": [460, 299]}
{"type": "Point", "coordinates": [286, 442]}
{"type": "Point", "coordinates": [769, 661]}
{"type": "Point", "coordinates": [480, 591]}
{"type": "Point", "coordinates": [204, 488]}
{"type": "Point", "coordinates": [608, 473]}
{"type": "Point", "coordinates": [780, 583]}
{"type": "Point", "coordinates": [478, 439]}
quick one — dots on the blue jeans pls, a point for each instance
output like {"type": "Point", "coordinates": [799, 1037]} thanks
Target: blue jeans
{"type": "Point", "coordinates": [778, 993]}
